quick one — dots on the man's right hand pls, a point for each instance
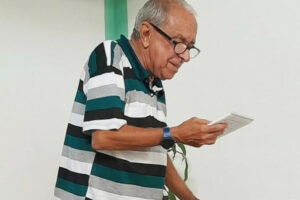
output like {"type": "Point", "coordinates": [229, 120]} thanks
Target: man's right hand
{"type": "Point", "coordinates": [196, 132]}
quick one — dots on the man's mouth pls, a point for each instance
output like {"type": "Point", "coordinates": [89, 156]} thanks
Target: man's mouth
{"type": "Point", "coordinates": [175, 67]}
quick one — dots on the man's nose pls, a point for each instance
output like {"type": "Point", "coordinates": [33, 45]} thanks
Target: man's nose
{"type": "Point", "coordinates": [185, 55]}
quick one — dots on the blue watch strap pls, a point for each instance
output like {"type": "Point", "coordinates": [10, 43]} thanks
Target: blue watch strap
{"type": "Point", "coordinates": [167, 140]}
{"type": "Point", "coordinates": [167, 133]}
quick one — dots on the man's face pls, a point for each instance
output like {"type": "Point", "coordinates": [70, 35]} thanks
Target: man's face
{"type": "Point", "coordinates": [182, 27]}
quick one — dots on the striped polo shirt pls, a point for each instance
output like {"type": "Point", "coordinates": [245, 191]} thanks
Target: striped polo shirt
{"type": "Point", "coordinates": [113, 90]}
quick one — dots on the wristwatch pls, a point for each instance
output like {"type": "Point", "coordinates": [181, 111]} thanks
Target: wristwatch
{"type": "Point", "coordinates": [167, 140]}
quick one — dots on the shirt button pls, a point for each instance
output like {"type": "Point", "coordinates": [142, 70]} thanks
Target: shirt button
{"type": "Point", "coordinates": [151, 94]}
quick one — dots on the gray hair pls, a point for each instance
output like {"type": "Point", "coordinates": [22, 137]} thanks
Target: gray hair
{"type": "Point", "coordinates": [156, 12]}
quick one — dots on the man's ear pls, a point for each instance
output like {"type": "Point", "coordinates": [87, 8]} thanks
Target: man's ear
{"type": "Point", "coordinates": [145, 34]}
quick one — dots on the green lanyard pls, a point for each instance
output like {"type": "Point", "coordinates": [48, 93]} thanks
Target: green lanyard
{"type": "Point", "coordinates": [116, 22]}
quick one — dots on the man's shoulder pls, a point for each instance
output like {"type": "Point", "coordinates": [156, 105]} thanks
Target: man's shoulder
{"type": "Point", "coordinates": [107, 56]}
{"type": "Point", "coordinates": [108, 48]}
{"type": "Point", "coordinates": [105, 47]}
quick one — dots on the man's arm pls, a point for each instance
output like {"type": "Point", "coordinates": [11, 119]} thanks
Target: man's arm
{"type": "Point", "coordinates": [126, 138]}
{"type": "Point", "coordinates": [175, 183]}
{"type": "Point", "coordinates": [194, 132]}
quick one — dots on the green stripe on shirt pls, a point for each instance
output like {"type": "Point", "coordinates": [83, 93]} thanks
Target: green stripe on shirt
{"type": "Point", "coordinates": [73, 188]}
{"type": "Point", "coordinates": [80, 97]}
{"type": "Point", "coordinates": [127, 178]}
{"type": "Point", "coordinates": [133, 84]}
{"type": "Point", "coordinates": [78, 143]}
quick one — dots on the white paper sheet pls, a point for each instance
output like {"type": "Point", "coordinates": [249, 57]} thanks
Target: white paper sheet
{"type": "Point", "coordinates": [234, 121]}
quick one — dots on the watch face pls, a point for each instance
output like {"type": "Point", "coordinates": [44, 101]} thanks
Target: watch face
{"type": "Point", "coordinates": [167, 143]}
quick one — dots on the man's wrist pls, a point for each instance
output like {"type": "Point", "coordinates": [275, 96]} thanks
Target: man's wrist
{"type": "Point", "coordinates": [174, 133]}
{"type": "Point", "coordinates": [167, 140]}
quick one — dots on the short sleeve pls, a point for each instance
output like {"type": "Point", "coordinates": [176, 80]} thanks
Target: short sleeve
{"type": "Point", "coordinates": [104, 88]}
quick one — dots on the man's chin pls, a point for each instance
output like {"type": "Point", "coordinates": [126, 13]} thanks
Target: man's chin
{"type": "Point", "coordinates": [168, 76]}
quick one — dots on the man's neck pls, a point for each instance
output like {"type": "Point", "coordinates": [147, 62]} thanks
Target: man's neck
{"type": "Point", "coordinates": [139, 53]}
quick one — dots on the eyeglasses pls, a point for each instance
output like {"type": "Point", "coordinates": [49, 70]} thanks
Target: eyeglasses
{"type": "Point", "coordinates": [179, 47]}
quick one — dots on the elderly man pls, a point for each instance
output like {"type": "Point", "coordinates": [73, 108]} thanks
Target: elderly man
{"type": "Point", "coordinates": [117, 138]}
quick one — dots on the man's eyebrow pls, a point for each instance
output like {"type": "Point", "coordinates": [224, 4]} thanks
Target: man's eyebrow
{"type": "Point", "coordinates": [182, 38]}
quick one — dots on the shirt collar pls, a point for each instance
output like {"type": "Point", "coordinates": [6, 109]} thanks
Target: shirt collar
{"type": "Point", "coordinates": [137, 66]}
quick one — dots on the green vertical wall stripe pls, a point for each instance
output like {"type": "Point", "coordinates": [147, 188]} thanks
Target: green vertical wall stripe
{"type": "Point", "coordinates": [115, 19]}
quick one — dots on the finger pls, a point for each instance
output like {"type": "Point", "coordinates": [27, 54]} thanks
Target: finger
{"type": "Point", "coordinates": [209, 136]}
{"type": "Point", "coordinates": [209, 141]}
{"type": "Point", "coordinates": [216, 128]}
{"type": "Point", "coordinates": [222, 131]}
{"type": "Point", "coordinates": [196, 144]}
{"type": "Point", "coordinates": [217, 133]}
{"type": "Point", "coordinates": [203, 121]}
{"type": "Point", "coordinates": [212, 139]}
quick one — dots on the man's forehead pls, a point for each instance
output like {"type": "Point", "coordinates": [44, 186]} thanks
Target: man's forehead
{"type": "Point", "coordinates": [183, 32]}
{"type": "Point", "coordinates": [181, 24]}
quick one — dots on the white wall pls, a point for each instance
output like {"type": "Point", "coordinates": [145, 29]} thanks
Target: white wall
{"type": "Point", "coordinates": [247, 64]}
{"type": "Point", "coordinates": [43, 47]}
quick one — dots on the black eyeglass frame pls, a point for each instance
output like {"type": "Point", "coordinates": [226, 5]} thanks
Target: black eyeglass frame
{"type": "Point", "coordinates": [175, 42]}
